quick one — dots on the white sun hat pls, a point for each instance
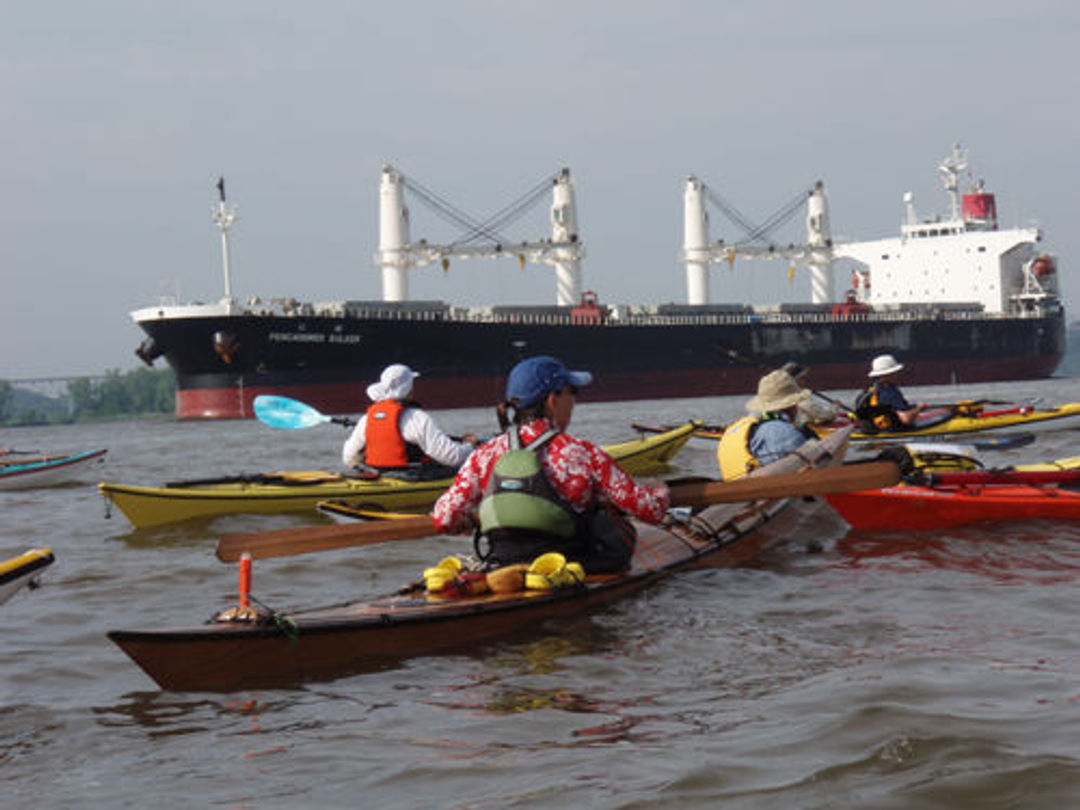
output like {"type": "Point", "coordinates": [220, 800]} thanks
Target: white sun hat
{"type": "Point", "coordinates": [395, 383]}
{"type": "Point", "coordinates": [884, 364]}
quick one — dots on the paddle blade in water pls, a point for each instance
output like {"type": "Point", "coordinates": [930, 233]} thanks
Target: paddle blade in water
{"type": "Point", "coordinates": [283, 412]}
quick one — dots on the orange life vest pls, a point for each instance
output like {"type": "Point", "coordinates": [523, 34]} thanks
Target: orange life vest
{"type": "Point", "coordinates": [385, 446]}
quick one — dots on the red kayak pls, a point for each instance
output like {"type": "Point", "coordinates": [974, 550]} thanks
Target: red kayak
{"type": "Point", "coordinates": [954, 504]}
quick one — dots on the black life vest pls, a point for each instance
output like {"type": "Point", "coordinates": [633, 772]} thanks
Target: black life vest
{"type": "Point", "coordinates": [873, 416]}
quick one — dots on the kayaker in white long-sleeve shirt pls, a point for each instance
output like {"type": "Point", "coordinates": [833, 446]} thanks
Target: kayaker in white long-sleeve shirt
{"type": "Point", "coordinates": [397, 434]}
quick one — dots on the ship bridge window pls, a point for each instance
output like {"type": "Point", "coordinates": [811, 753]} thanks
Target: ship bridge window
{"type": "Point", "coordinates": [885, 256]}
{"type": "Point", "coordinates": [982, 249]}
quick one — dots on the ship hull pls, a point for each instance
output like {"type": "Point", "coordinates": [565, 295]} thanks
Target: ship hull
{"type": "Point", "coordinates": [328, 361]}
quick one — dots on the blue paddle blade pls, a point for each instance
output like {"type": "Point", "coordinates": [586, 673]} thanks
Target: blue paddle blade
{"type": "Point", "coordinates": [282, 412]}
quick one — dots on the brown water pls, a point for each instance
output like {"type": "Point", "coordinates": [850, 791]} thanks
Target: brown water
{"type": "Point", "coordinates": [885, 671]}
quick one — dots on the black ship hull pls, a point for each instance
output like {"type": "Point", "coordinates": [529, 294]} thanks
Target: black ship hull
{"type": "Point", "coordinates": [222, 363]}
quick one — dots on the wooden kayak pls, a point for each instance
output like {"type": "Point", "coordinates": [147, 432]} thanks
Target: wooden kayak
{"type": "Point", "coordinates": [300, 491]}
{"type": "Point", "coordinates": [23, 571]}
{"type": "Point", "coordinates": [287, 648]}
{"type": "Point", "coordinates": [44, 471]}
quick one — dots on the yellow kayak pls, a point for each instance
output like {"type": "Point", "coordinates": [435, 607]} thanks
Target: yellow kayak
{"type": "Point", "coordinates": [23, 571]}
{"type": "Point", "coordinates": [300, 491]}
{"type": "Point", "coordinates": [961, 423]}
{"type": "Point", "coordinates": [1069, 463]}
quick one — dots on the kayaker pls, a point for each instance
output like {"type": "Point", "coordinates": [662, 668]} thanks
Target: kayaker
{"type": "Point", "coordinates": [396, 434]}
{"type": "Point", "coordinates": [565, 505]}
{"type": "Point", "coordinates": [882, 406]}
{"type": "Point", "coordinates": [770, 431]}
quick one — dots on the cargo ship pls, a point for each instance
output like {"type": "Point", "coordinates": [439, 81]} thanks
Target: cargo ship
{"type": "Point", "coordinates": [957, 298]}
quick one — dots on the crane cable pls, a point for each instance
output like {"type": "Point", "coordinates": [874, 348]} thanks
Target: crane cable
{"type": "Point", "coordinates": [757, 233]}
{"type": "Point", "coordinates": [475, 230]}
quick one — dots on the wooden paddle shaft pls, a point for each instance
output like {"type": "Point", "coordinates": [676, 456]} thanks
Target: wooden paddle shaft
{"type": "Point", "coordinates": [843, 478]}
{"type": "Point", "coordinates": [323, 538]}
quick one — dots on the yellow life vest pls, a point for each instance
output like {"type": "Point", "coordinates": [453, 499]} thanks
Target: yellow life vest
{"type": "Point", "coordinates": [733, 453]}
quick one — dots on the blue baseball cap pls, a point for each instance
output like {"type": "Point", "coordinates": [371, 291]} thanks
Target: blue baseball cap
{"type": "Point", "coordinates": [535, 377]}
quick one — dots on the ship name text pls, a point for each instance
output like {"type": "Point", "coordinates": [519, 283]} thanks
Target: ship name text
{"type": "Point", "coordinates": [311, 337]}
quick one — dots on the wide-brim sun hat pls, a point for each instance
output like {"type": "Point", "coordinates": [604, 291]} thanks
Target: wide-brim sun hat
{"type": "Point", "coordinates": [776, 392]}
{"type": "Point", "coordinates": [396, 382]}
{"type": "Point", "coordinates": [535, 377]}
{"type": "Point", "coordinates": [884, 364]}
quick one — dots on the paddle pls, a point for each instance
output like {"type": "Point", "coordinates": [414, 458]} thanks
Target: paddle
{"type": "Point", "coordinates": [298, 479]}
{"type": "Point", "coordinates": [1006, 442]}
{"type": "Point", "coordinates": [291, 414]}
{"type": "Point", "coordinates": [732, 354]}
{"type": "Point", "coordinates": [821, 481]}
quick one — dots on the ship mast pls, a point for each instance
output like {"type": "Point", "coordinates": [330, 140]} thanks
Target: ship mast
{"type": "Point", "coordinates": [950, 169]}
{"type": "Point", "coordinates": [397, 254]}
{"type": "Point", "coordinates": [698, 253]}
{"type": "Point", "coordinates": [696, 242]}
{"type": "Point", "coordinates": [224, 218]}
{"type": "Point", "coordinates": [819, 242]}
{"type": "Point", "coordinates": [565, 252]}
{"type": "Point", "coordinates": [393, 255]}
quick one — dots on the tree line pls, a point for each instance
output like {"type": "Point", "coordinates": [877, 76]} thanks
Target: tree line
{"type": "Point", "coordinates": [133, 393]}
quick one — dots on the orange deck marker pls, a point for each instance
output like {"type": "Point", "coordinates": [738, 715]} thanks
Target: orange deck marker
{"type": "Point", "coordinates": [245, 578]}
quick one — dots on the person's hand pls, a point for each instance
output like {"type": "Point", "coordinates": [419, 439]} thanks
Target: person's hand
{"type": "Point", "coordinates": [469, 438]}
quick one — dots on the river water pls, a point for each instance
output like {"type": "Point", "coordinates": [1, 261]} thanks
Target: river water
{"type": "Point", "coordinates": [845, 669]}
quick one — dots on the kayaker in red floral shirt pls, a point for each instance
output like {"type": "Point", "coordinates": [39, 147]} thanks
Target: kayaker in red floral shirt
{"type": "Point", "coordinates": [578, 478]}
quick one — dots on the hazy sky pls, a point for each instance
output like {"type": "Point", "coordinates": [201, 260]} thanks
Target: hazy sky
{"type": "Point", "coordinates": [120, 115]}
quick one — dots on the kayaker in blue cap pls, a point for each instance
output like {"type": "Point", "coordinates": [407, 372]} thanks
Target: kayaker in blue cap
{"type": "Point", "coordinates": [535, 488]}
{"type": "Point", "coordinates": [397, 435]}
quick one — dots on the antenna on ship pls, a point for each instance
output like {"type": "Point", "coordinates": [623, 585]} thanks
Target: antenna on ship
{"type": "Point", "coordinates": [225, 217]}
{"type": "Point", "coordinates": [950, 169]}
